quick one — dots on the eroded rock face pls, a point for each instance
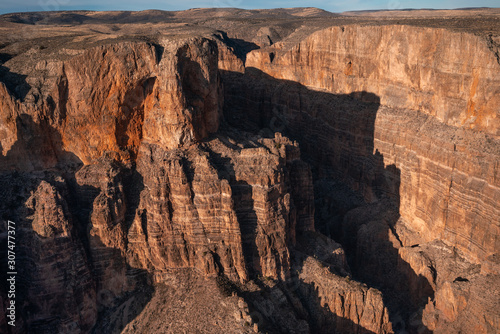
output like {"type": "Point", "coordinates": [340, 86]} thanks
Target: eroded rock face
{"type": "Point", "coordinates": [149, 198]}
{"type": "Point", "coordinates": [110, 98]}
{"type": "Point", "coordinates": [57, 291]}
{"type": "Point", "coordinates": [97, 108]}
{"type": "Point", "coordinates": [221, 208]}
{"type": "Point", "coordinates": [408, 67]}
{"type": "Point", "coordinates": [354, 308]}
{"type": "Point", "coordinates": [421, 70]}
{"type": "Point", "coordinates": [427, 170]}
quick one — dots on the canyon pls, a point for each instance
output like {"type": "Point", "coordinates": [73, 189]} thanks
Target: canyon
{"type": "Point", "coordinates": [236, 171]}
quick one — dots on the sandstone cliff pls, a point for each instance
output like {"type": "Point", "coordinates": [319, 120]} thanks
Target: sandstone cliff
{"type": "Point", "coordinates": [459, 90]}
{"type": "Point", "coordinates": [408, 67]}
{"type": "Point", "coordinates": [410, 135]}
{"type": "Point", "coordinates": [120, 128]}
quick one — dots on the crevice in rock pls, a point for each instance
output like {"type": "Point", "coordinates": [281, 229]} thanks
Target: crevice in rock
{"type": "Point", "coordinates": [241, 47]}
{"type": "Point", "coordinates": [345, 157]}
{"type": "Point", "coordinates": [15, 82]}
{"type": "Point", "coordinates": [159, 49]}
{"type": "Point", "coordinates": [460, 279]}
{"type": "Point", "coordinates": [494, 47]}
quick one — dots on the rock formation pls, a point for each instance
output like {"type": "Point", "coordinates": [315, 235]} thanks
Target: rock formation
{"type": "Point", "coordinates": [426, 159]}
{"type": "Point", "coordinates": [320, 173]}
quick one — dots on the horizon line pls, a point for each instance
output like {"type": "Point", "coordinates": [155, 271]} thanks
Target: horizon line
{"type": "Point", "coordinates": [249, 9]}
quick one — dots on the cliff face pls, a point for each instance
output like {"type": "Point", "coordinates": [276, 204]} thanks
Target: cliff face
{"type": "Point", "coordinates": [408, 67]}
{"type": "Point", "coordinates": [58, 280]}
{"type": "Point", "coordinates": [346, 300]}
{"type": "Point", "coordinates": [221, 208]}
{"type": "Point", "coordinates": [110, 98]}
{"type": "Point", "coordinates": [409, 138]}
{"type": "Point", "coordinates": [432, 97]}
{"type": "Point", "coordinates": [118, 189]}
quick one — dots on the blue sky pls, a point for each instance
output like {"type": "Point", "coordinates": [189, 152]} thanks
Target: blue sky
{"type": "Point", "coordinates": [8, 6]}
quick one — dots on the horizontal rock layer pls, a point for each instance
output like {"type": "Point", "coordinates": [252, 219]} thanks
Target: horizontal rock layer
{"type": "Point", "coordinates": [444, 172]}
{"type": "Point", "coordinates": [451, 76]}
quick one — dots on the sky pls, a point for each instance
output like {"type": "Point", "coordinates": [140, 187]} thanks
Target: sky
{"type": "Point", "coordinates": [9, 6]}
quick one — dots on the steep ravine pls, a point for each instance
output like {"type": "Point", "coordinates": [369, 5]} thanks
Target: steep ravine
{"type": "Point", "coordinates": [405, 166]}
{"type": "Point", "coordinates": [453, 77]}
{"type": "Point", "coordinates": [120, 179]}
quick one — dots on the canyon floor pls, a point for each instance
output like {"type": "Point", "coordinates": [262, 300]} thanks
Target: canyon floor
{"type": "Point", "coordinates": [251, 171]}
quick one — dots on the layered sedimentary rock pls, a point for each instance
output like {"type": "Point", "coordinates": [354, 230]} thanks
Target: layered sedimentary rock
{"type": "Point", "coordinates": [66, 290]}
{"type": "Point", "coordinates": [408, 67]}
{"type": "Point", "coordinates": [403, 128]}
{"type": "Point", "coordinates": [54, 287]}
{"type": "Point", "coordinates": [220, 208]}
{"type": "Point", "coordinates": [95, 108]}
{"type": "Point", "coordinates": [464, 299]}
{"type": "Point", "coordinates": [444, 166]}
{"type": "Point", "coordinates": [111, 97]}
{"type": "Point", "coordinates": [354, 308]}
{"type": "Point", "coordinates": [149, 197]}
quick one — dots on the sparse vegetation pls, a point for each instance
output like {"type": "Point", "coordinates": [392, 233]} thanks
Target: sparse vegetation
{"type": "Point", "coordinates": [226, 287]}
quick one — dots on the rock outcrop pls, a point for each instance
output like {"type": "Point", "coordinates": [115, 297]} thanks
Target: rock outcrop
{"type": "Point", "coordinates": [124, 130]}
{"type": "Point", "coordinates": [221, 207]}
{"type": "Point", "coordinates": [354, 308]}
{"type": "Point", "coordinates": [112, 97]}
{"type": "Point", "coordinates": [370, 122]}
{"type": "Point", "coordinates": [101, 107]}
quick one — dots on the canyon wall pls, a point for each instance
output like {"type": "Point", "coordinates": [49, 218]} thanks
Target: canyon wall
{"type": "Point", "coordinates": [451, 76]}
{"type": "Point", "coordinates": [406, 117]}
{"type": "Point", "coordinates": [111, 97]}
{"type": "Point", "coordinates": [437, 88]}
{"type": "Point", "coordinates": [112, 171]}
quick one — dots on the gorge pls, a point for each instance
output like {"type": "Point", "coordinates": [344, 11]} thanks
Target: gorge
{"type": "Point", "coordinates": [234, 171]}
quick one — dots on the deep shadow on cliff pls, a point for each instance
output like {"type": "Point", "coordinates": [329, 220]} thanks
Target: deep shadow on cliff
{"type": "Point", "coordinates": [59, 286]}
{"type": "Point", "coordinates": [274, 310]}
{"type": "Point", "coordinates": [16, 83]}
{"type": "Point", "coordinates": [356, 195]}
{"type": "Point", "coordinates": [245, 212]}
